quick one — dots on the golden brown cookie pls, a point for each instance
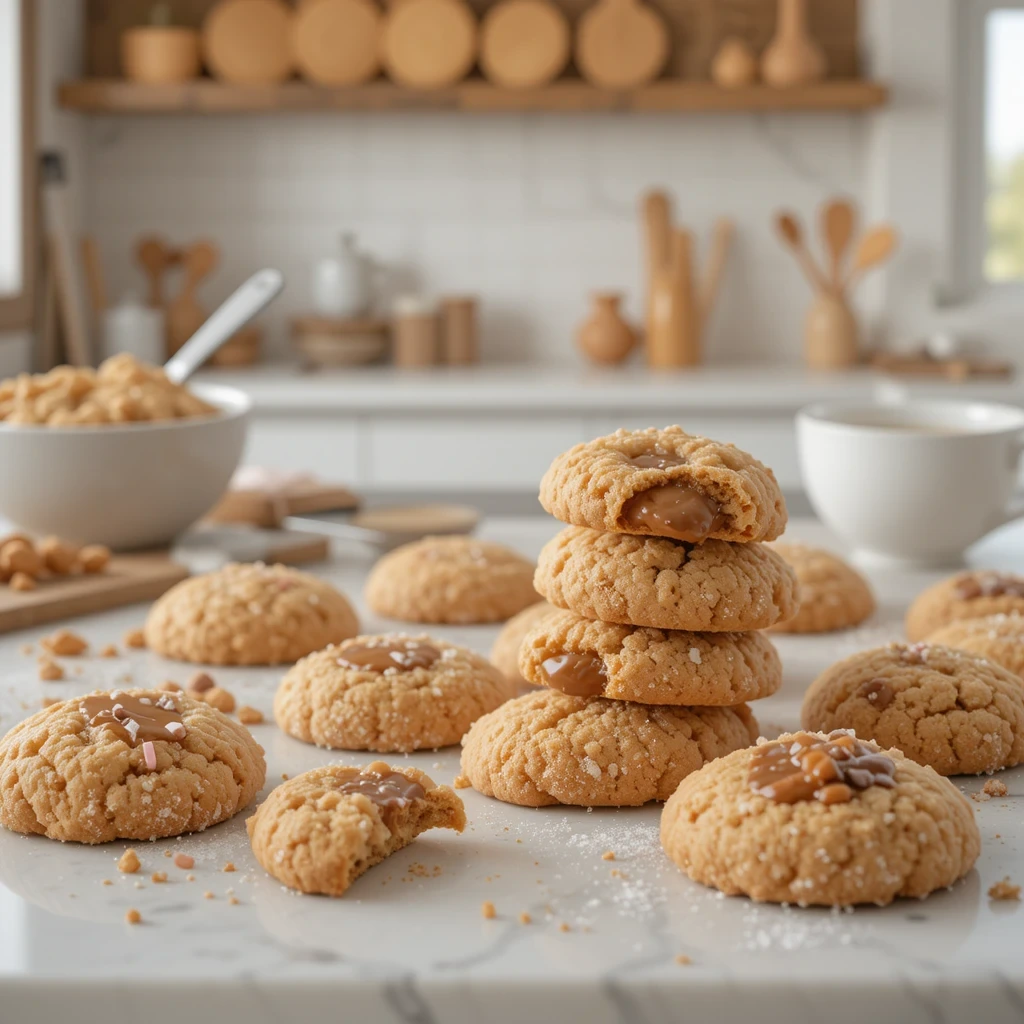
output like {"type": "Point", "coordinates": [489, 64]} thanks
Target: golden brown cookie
{"type": "Point", "coordinates": [451, 579]}
{"type": "Point", "coordinates": [651, 666]}
{"type": "Point", "coordinates": [505, 652]}
{"type": "Point", "coordinates": [321, 830]}
{"type": "Point", "coordinates": [833, 595]}
{"type": "Point", "coordinates": [998, 638]}
{"type": "Point", "coordinates": [945, 708]}
{"type": "Point", "coordinates": [665, 483]}
{"type": "Point", "coordinates": [547, 747]}
{"type": "Point", "coordinates": [649, 581]}
{"type": "Point", "coordinates": [129, 764]}
{"type": "Point", "coordinates": [968, 595]}
{"type": "Point", "coordinates": [388, 693]}
{"type": "Point", "coordinates": [248, 615]}
{"type": "Point", "coordinates": [908, 837]}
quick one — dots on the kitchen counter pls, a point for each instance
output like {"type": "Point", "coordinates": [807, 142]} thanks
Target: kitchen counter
{"type": "Point", "coordinates": [408, 942]}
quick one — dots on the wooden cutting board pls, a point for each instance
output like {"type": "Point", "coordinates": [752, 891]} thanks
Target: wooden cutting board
{"type": "Point", "coordinates": [126, 580]}
{"type": "Point", "coordinates": [428, 44]}
{"type": "Point", "coordinates": [337, 41]}
{"type": "Point", "coordinates": [524, 43]}
{"type": "Point", "coordinates": [621, 44]}
{"type": "Point", "coordinates": [268, 508]}
{"type": "Point", "coordinates": [248, 42]}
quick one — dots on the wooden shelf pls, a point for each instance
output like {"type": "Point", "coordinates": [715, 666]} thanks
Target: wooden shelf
{"type": "Point", "coordinates": [205, 96]}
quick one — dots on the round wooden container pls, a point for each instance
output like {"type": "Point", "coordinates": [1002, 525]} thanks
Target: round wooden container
{"type": "Point", "coordinates": [621, 44]}
{"type": "Point", "coordinates": [429, 44]}
{"type": "Point", "coordinates": [524, 43]}
{"type": "Point", "coordinates": [337, 42]}
{"type": "Point", "coordinates": [338, 341]}
{"type": "Point", "coordinates": [249, 42]}
{"type": "Point", "coordinates": [160, 54]}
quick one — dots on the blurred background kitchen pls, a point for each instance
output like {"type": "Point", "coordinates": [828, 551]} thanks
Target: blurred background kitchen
{"type": "Point", "coordinates": [511, 225]}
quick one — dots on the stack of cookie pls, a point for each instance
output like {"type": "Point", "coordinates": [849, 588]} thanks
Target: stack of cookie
{"type": "Point", "coordinates": [663, 582]}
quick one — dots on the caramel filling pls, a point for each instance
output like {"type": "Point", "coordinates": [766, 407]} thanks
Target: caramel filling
{"type": "Point", "coordinates": [674, 510]}
{"type": "Point", "coordinates": [810, 767]}
{"type": "Point", "coordinates": [989, 584]}
{"type": "Point", "coordinates": [135, 719]}
{"type": "Point", "coordinates": [579, 675]}
{"type": "Point", "coordinates": [391, 791]}
{"type": "Point", "coordinates": [657, 460]}
{"type": "Point", "coordinates": [877, 692]}
{"type": "Point", "coordinates": [393, 655]}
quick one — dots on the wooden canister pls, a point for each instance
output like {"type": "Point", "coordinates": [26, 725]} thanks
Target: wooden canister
{"type": "Point", "coordinates": [414, 338]}
{"type": "Point", "coordinates": [460, 343]}
{"type": "Point", "coordinates": [160, 54]}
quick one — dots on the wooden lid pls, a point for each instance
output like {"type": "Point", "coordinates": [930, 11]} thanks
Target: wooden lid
{"type": "Point", "coordinates": [524, 43]}
{"type": "Point", "coordinates": [337, 41]}
{"type": "Point", "coordinates": [621, 44]}
{"type": "Point", "coordinates": [249, 42]}
{"type": "Point", "coordinates": [428, 44]}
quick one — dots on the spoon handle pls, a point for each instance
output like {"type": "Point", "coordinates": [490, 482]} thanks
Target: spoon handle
{"type": "Point", "coordinates": [235, 312]}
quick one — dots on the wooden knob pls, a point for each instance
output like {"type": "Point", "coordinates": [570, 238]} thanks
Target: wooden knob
{"type": "Point", "coordinates": [621, 44]}
{"type": "Point", "coordinates": [337, 41]}
{"type": "Point", "coordinates": [249, 42]}
{"type": "Point", "coordinates": [524, 43]}
{"type": "Point", "coordinates": [428, 44]}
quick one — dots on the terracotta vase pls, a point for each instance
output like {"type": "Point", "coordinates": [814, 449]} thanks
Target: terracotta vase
{"type": "Point", "coordinates": [734, 64]}
{"type": "Point", "coordinates": [792, 57]}
{"type": "Point", "coordinates": [160, 54]}
{"type": "Point", "coordinates": [830, 334]}
{"type": "Point", "coordinates": [605, 337]}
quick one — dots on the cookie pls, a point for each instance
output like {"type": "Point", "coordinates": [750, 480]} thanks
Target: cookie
{"type": "Point", "coordinates": [451, 579]}
{"type": "Point", "coordinates": [130, 764]}
{"type": "Point", "coordinates": [321, 830]}
{"type": "Point", "coordinates": [388, 693]}
{"type": "Point", "coordinates": [651, 666]}
{"type": "Point", "coordinates": [820, 821]}
{"type": "Point", "coordinates": [665, 483]}
{"type": "Point", "coordinates": [251, 614]}
{"type": "Point", "coordinates": [945, 708]}
{"type": "Point", "coordinates": [505, 652]}
{"type": "Point", "coordinates": [548, 747]}
{"type": "Point", "coordinates": [667, 584]}
{"type": "Point", "coordinates": [968, 595]}
{"type": "Point", "coordinates": [998, 638]}
{"type": "Point", "coordinates": [833, 595]}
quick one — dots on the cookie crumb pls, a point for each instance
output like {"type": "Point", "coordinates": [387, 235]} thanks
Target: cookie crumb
{"type": "Point", "coordinates": [108, 651]}
{"type": "Point", "coordinates": [190, 878]}
{"type": "Point", "coordinates": [26, 648]}
{"type": "Point", "coordinates": [169, 686]}
{"type": "Point", "coordinates": [129, 862]}
{"type": "Point", "coordinates": [134, 638]}
{"type": "Point", "coordinates": [250, 716]}
{"type": "Point", "coordinates": [683, 959]}
{"type": "Point", "coordinates": [1004, 890]}
{"type": "Point", "coordinates": [167, 853]}
{"type": "Point", "coordinates": [208, 895]}
{"type": "Point", "coordinates": [106, 881]}
{"type": "Point", "coordinates": [524, 918]}
{"type": "Point", "coordinates": [608, 855]}
{"type": "Point", "coordinates": [184, 861]}
{"type": "Point", "coordinates": [64, 643]}
{"type": "Point", "coordinates": [132, 917]}
{"type": "Point", "coordinates": [233, 901]}
{"type": "Point", "coordinates": [200, 683]}
{"type": "Point", "coordinates": [461, 782]}
{"type": "Point", "coordinates": [284, 776]}
{"type": "Point", "coordinates": [158, 876]}
{"type": "Point", "coordinates": [220, 699]}
{"type": "Point", "coordinates": [50, 671]}
{"type": "Point", "coordinates": [229, 867]}
{"type": "Point", "coordinates": [487, 910]}
{"type": "Point", "coordinates": [995, 787]}
{"type": "Point", "coordinates": [22, 581]}
{"type": "Point", "coordinates": [564, 927]}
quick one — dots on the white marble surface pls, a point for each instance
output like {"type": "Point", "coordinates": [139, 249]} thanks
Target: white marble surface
{"type": "Point", "coordinates": [401, 947]}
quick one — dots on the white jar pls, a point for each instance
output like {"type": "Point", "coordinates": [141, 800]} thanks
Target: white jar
{"type": "Point", "coordinates": [137, 329]}
{"type": "Point", "coordinates": [342, 283]}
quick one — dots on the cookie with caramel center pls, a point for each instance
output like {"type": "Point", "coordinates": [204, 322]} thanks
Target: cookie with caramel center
{"type": "Point", "coordinates": [967, 595]}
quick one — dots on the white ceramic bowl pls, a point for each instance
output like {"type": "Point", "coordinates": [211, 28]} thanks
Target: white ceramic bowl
{"type": "Point", "coordinates": [137, 485]}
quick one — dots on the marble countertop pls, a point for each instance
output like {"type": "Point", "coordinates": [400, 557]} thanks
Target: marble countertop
{"type": "Point", "coordinates": [408, 942]}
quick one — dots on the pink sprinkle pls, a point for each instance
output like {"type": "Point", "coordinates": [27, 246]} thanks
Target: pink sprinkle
{"type": "Point", "coordinates": [149, 753]}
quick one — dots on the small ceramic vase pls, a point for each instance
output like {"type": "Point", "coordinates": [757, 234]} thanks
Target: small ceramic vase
{"type": "Point", "coordinates": [342, 284]}
{"type": "Point", "coordinates": [604, 337]}
{"type": "Point", "coordinates": [735, 64]}
{"type": "Point", "coordinates": [792, 57]}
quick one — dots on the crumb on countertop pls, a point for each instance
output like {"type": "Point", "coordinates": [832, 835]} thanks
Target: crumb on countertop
{"type": "Point", "coordinates": [995, 787]}
{"type": "Point", "coordinates": [134, 638]}
{"type": "Point", "coordinates": [129, 862]}
{"type": "Point", "coordinates": [64, 643]}
{"type": "Point", "coordinates": [1004, 890]}
{"type": "Point", "coordinates": [488, 910]}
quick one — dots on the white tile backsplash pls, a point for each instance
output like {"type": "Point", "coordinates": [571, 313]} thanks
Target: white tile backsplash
{"type": "Point", "coordinates": [530, 211]}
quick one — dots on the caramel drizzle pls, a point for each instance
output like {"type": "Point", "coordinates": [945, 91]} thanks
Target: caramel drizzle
{"type": "Point", "coordinates": [391, 791]}
{"type": "Point", "coordinates": [135, 719]}
{"type": "Point", "coordinates": [395, 655]}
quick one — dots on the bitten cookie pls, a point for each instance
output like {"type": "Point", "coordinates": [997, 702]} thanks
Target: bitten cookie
{"type": "Point", "coordinates": [648, 581]}
{"type": "Point", "coordinates": [451, 579]}
{"type": "Point", "coordinates": [998, 638]}
{"type": "Point", "coordinates": [388, 693]}
{"type": "Point", "coordinates": [548, 747]}
{"type": "Point", "coordinates": [248, 615]}
{"type": "Point", "coordinates": [130, 764]}
{"type": "Point", "coordinates": [820, 821]}
{"type": "Point", "coordinates": [665, 483]}
{"type": "Point", "coordinates": [651, 666]}
{"type": "Point", "coordinates": [321, 830]}
{"type": "Point", "coordinates": [945, 708]}
{"type": "Point", "coordinates": [833, 595]}
{"type": "Point", "coordinates": [968, 595]}
{"type": "Point", "coordinates": [505, 652]}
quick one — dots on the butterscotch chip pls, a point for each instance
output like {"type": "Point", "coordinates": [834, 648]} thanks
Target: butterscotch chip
{"type": "Point", "coordinates": [22, 581]}
{"type": "Point", "coordinates": [198, 771]}
{"type": "Point", "coordinates": [220, 699]}
{"type": "Point", "coordinates": [995, 787]}
{"type": "Point", "coordinates": [487, 910]}
{"type": "Point", "coordinates": [451, 580]}
{"type": "Point", "coordinates": [201, 682]}
{"type": "Point", "coordinates": [386, 693]}
{"type": "Point", "coordinates": [129, 862]}
{"type": "Point", "coordinates": [999, 638]}
{"type": "Point", "coordinates": [1004, 890]}
{"type": "Point", "coordinates": [249, 716]}
{"type": "Point", "coordinates": [907, 839]}
{"type": "Point", "coordinates": [249, 615]}
{"type": "Point", "coordinates": [134, 638]}
{"type": "Point", "coordinates": [524, 918]}
{"type": "Point", "coordinates": [968, 595]}
{"type": "Point", "coordinates": [321, 830]}
{"type": "Point", "coordinates": [833, 595]}
{"type": "Point", "coordinates": [64, 643]}
{"type": "Point", "coordinates": [548, 747]}
{"type": "Point", "coordinates": [608, 855]}
{"type": "Point", "coordinates": [505, 652]}
{"type": "Point", "coordinates": [108, 651]}
{"type": "Point", "coordinates": [208, 895]}
{"type": "Point", "coordinates": [158, 877]}
{"type": "Point", "coordinates": [942, 707]}
{"type": "Point", "coordinates": [50, 671]}
{"type": "Point", "coordinates": [58, 556]}
{"type": "Point", "coordinates": [651, 581]}
{"type": "Point", "coordinates": [651, 666]}
{"type": "Point", "coordinates": [19, 556]}
{"type": "Point", "coordinates": [594, 485]}
{"type": "Point", "coordinates": [132, 916]}
{"type": "Point", "coordinates": [94, 557]}
{"type": "Point", "coordinates": [232, 901]}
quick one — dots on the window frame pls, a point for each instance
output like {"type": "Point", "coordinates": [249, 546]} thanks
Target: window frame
{"type": "Point", "coordinates": [17, 310]}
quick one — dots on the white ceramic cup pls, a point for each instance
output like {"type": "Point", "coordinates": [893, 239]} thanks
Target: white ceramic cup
{"type": "Point", "coordinates": [913, 483]}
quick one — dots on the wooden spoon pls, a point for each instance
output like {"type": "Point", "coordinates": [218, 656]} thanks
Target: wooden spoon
{"type": "Point", "coordinates": [657, 215]}
{"type": "Point", "coordinates": [155, 257]}
{"type": "Point", "coordinates": [837, 225]}
{"type": "Point", "coordinates": [875, 247]}
{"type": "Point", "coordinates": [711, 281]}
{"type": "Point", "coordinates": [792, 234]}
